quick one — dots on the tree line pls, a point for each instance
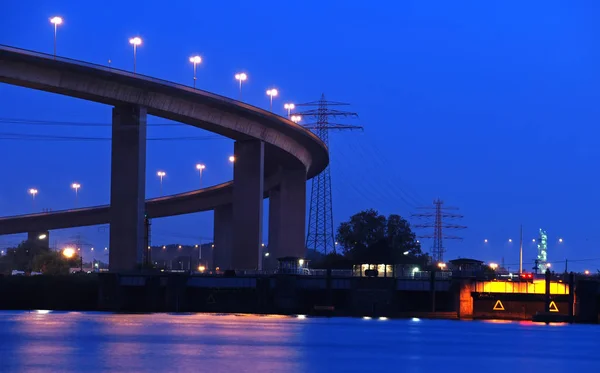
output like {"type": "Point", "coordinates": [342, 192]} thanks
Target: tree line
{"type": "Point", "coordinates": [30, 256]}
{"type": "Point", "coordinates": [370, 237]}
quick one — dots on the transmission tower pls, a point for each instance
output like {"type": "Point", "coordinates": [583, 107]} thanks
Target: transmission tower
{"type": "Point", "coordinates": [440, 213]}
{"type": "Point", "coordinates": [320, 234]}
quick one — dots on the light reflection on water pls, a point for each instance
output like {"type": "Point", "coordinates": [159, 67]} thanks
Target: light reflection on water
{"type": "Point", "coordinates": [102, 342]}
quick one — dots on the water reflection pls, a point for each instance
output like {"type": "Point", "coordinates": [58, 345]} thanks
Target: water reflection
{"type": "Point", "coordinates": [100, 342]}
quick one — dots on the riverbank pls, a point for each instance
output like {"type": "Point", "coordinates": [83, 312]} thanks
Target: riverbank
{"type": "Point", "coordinates": [287, 295]}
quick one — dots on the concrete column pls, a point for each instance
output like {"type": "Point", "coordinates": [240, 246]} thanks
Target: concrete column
{"type": "Point", "coordinates": [223, 232]}
{"type": "Point", "coordinates": [248, 178]}
{"type": "Point", "coordinates": [274, 229]}
{"type": "Point", "coordinates": [127, 187]}
{"type": "Point", "coordinates": [287, 215]}
{"type": "Point", "coordinates": [465, 300]}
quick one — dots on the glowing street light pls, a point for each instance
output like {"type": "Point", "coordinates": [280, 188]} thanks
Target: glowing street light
{"type": "Point", "coordinates": [560, 240]}
{"type": "Point", "coordinates": [76, 186]}
{"type": "Point", "coordinates": [231, 158]}
{"type": "Point", "coordinates": [55, 21]}
{"type": "Point", "coordinates": [510, 240]}
{"type": "Point", "coordinates": [200, 167]}
{"type": "Point", "coordinates": [135, 42]}
{"type": "Point", "coordinates": [289, 108]}
{"type": "Point", "coordinates": [494, 266]}
{"type": "Point", "coordinates": [33, 193]}
{"type": "Point", "coordinates": [272, 93]}
{"type": "Point", "coordinates": [195, 60]}
{"type": "Point", "coordinates": [533, 240]}
{"type": "Point", "coordinates": [242, 78]}
{"type": "Point", "coordinates": [296, 118]}
{"type": "Point", "coordinates": [442, 265]}
{"type": "Point", "coordinates": [586, 272]}
{"type": "Point", "coordinates": [161, 174]}
{"type": "Point", "coordinates": [548, 265]}
{"type": "Point", "coordinates": [485, 241]}
{"type": "Point", "coordinates": [68, 252]}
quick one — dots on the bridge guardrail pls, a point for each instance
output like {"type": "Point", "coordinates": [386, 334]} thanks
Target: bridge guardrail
{"type": "Point", "coordinates": [167, 83]}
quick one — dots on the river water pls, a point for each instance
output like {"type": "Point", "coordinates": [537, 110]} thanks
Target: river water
{"type": "Point", "coordinates": [39, 341]}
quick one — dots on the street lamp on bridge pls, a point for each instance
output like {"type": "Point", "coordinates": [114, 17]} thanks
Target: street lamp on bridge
{"type": "Point", "coordinates": [55, 21]}
{"type": "Point", "coordinates": [195, 60]}
{"type": "Point", "coordinates": [296, 118]}
{"type": "Point", "coordinates": [135, 42]}
{"type": "Point", "coordinates": [289, 108]}
{"type": "Point", "coordinates": [76, 186]}
{"type": "Point", "coordinates": [200, 167]}
{"type": "Point", "coordinates": [272, 93]}
{"type": "Point", "coordinates": [33, 193]}
{"type": "Point", "coordinates": [161, 174]}
{"type": "Point", "coordinates": [242, 78]}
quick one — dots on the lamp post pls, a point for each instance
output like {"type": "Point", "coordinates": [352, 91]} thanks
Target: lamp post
{"type": "Point", "coordinates": [242, 78]}
{"type": "Point", "coordinates": [200, 167]}
{"type": "Point", "coordinates": [76, 186]}
{"type": "Point", "coordinates": [272, 93]}
{"type": "Point", "coordinates": [161, 174]}
{"type": "Point", "coordinates": [55, 21]}
{"type": "Point", "coordinates": [195, 60]}
{"type": "Point", "coordinates": [68, 252]}
{"type": "Point", "coordinates": [231, 158]}
{"type": "Point", "coordinates": [296, 118]}
{"type": "Point", "coordinates": [33, 193]}
{"type": "Point", "coordinates": [135, 42]}
{"type": "Point", "coordinates": [289, 108]}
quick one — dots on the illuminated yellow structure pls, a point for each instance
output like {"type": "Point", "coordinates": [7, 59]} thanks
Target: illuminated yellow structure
{"type": "Point", "coordinates": [373, 270]}
{"type": "Point", "coordinates": [535, 287]}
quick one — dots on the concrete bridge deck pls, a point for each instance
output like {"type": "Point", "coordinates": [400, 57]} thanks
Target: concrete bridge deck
{"type": "Point", "coordinates": [274, 158]}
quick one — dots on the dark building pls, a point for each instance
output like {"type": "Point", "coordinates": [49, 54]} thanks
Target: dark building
{"type": "Point", "coordinates": [183, 257]}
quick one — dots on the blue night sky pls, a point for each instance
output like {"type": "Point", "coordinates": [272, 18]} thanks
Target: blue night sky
{"type": "Point", "coordinates": [491, 106]}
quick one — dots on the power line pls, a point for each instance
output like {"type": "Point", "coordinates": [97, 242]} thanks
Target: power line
{"type": "Point", "coordinates": [37, 122]}
{"type": "Point", "coordinates": [438, 226]}
{"type": "Point", "coordinates": [40, 137]}
{"type": "Point", "coordinates": [320, 234]}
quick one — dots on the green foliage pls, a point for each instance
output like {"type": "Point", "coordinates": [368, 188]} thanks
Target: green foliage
{"type": "Point", "coordinates": [371, 237]}
{"type": "Point", "coordinates": [31, 256]}
{"type": "Point", "coordinates": [21, 257]}
{"type": "Point", "coordinates": [51, 263]}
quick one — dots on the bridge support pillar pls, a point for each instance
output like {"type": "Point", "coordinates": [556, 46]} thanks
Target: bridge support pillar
{"type": "Point", "coordinates": [223, 228]}
{"type": "Point", "coordinates": [287, 216]}
{"type": "Point", "coordinates": [465, 300]}
{"type": "Point", "coordinates": [127, 187]}
{"type": "Point", "coordinates": [248, 178]}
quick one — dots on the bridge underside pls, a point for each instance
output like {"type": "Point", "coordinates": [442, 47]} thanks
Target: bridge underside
{"type": "Point", "coordinates": [274, 158]}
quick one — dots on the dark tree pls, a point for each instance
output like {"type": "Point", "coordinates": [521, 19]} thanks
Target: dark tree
{"type": "Point", "coordinates": [371, 236]}
{"type": "Point", "coordinates": [32, 256]}
{"type": "Point", "coordinates": [364, 228]}
{"type": "Point", "coordinates": [51, 263]}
